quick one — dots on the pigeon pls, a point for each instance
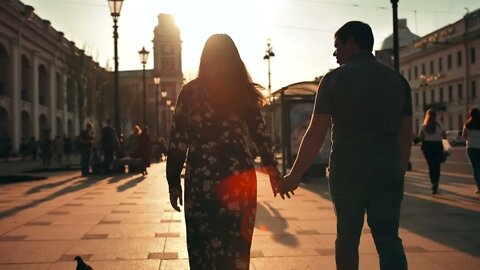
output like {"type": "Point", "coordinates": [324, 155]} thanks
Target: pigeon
{"type": "Point", "coordinates": [81, 265]}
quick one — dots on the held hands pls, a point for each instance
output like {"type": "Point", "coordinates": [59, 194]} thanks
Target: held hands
{"type": "Point", "coordinates": [289, 183]}
{"type": "Point", "coordinates": [175, 198]}
{"type": "Point", "coordinates": [276, 182]}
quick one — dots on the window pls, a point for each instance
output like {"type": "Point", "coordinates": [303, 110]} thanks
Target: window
{"type": "Point", "coordinates": [450, 122]}
{"type": "Point", "coordinates": [424, 97]}
{"type": "Point", "coordinates": [459, 58]}
{"type": "Point", "coordinates": [440, 64]}
{"type": "Point", "coordinates": [460, 121]}
{"type": "Point", "coordinates": [417, 125]}
{"type": "Point", "coordinates": [416, 99]}
{"type": "Point", "coordinates": [473, 89]}
{"type": "Point", "coordinates": [441, 94]}
{"type": "Point", "coordinates": [432, 70]}
{"type": "Point", "coordinates": [415, 72]}
{"type": "Point", "coordinates": [432, 96]}
{"type": "Point", "coordinates": [450, 93]}
{"type": "Point", "coordinates": [449, 61]}
{"type": "Point", "coordinates": [460, 91]}
{"type": "Point", "coordinates": [423, 68]}
{"type": "Point", "coordinates": [472, 55]}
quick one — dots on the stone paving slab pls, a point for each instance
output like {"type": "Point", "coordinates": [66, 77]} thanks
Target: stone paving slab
{"type": "Point", "coordinates": [126, 222]}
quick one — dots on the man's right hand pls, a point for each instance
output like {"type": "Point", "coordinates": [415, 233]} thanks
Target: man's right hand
{"type": "Point", "coordinates": [289, 183]}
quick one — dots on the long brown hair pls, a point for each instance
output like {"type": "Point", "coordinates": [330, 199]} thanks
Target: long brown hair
{"type": "Point", "coordinates": [224, 76]}
{"type": "Point", "coordinates": [430, 121]}
{"type": "Point", "coordinates": [473, 121]}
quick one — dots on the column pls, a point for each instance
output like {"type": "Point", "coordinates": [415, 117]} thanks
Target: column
{"type": "Point", "coordinates": [64, 108]}
{"type": "Point", "coordinates": [53, 100]}
{"type": "Point", "coordinates": [16, 91]}
{"type": "Point", "coordinates": [35, 105]}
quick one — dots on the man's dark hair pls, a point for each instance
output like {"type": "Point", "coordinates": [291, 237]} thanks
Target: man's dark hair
{"type": "Point", "coordinates": [360, 32]}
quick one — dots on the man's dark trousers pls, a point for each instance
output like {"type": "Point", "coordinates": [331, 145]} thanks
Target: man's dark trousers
{"type": "Point", "coordinates": [383, 212]}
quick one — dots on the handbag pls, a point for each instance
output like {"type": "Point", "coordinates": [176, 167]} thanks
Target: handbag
{"type": "Point", "coordinates": [447, 150]}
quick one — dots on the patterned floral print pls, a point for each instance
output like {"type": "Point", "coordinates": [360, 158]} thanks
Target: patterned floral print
{"type": "Point", "coordinates": [220, 180]}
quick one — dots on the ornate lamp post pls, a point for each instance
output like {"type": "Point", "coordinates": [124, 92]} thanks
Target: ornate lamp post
{"type": "Point", "coordinates": [115, 7]}
{"type": "Point", "coordinates": [143, 59]}
{"type": "Point", "coordinates": [168, 103]}
{"type": "Point", "coordinates": [163, 93]}
{"type": "Point", "coordinates": [269, 54]}
{"type": "Point", "coordinates": [156, 80]}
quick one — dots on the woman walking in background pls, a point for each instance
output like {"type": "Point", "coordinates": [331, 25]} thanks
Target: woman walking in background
{"type": "Point", "coordinates": [214, 115]}
{"type": "Point", "coordinates": [431, 135]}
{"type": "Point", "coordinates": [471, 132]}
{"type": "Point", "coordinates": [144, 150]}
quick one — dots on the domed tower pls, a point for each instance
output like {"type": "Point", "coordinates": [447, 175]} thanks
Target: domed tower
{"type": "Point", "coordinates": [405, 38]}
{"type": "Point", "coordinates": [167, 56]}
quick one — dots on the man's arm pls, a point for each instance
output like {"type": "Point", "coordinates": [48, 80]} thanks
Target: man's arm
{"type": "Point", "coordinates": [405, 142]}
{"type": "Point", "coordinates": [311, 143]}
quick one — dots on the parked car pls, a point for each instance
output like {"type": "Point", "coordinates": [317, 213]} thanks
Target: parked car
{"type": "Point", "coordinates": [454, 137]}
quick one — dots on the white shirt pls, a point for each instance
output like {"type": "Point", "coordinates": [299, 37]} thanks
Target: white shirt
{"type": "Point", "coordinates": [473, 138]}
{"type": "Point", "coordinates": [435, 137]}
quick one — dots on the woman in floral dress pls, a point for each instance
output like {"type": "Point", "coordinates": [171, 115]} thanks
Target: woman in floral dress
{"type": "Point", "coordinates": [214, 116]}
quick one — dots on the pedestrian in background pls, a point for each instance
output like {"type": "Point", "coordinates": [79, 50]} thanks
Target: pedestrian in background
{"type": "Point", "coordinates": [109, 143]}
{"type": "Point", "coordinates": [471, 132]}
{"type": "Point", "coordinates": [368, 107]}
{"type": "Point", "coordinates": [47, 148]}
{"type": "Point", "coordinates": [85, 143]}
{"type": "Point", "coordinates": [67, 147]}
{"type": "Point", "coordinates": [214, 115]}
{"type": "Point", "coordinates": [58, 148]}
{"type": "Point", "coordinates": [431, 135]}
{"type": "Point", "coordinates": [33, 148]}
{"type": "Point", "coordinates": [5, 146]}
{"type": "Point", "coordinates": [144, 150]}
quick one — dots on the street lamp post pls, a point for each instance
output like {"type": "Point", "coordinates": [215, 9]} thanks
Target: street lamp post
{"type": "Point", "coordinates": [115, 7]}
{"type": "Point", "coordinates": [163, 93]}
{"type": "Point", "coordinates": [143, 59]}
{"type": "Point", "coordinates": [269, 54]}
{"type": "Point", "coordinates": [156, 80]}
{"type": "Point", "coordinates": [396, 60]}
{"type": "Point", "coordinates": [168, 103]}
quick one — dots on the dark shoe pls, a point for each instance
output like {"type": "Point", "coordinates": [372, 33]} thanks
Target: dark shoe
{"type": "Point", "coordinates": [435, 189]}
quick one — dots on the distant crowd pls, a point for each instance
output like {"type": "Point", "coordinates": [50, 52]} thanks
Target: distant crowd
{"type": "Point", "coordinates": [101, 153]}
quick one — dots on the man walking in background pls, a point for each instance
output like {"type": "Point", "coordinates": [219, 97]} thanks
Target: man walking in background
{"type": "Point", "coordinates": [368, 107]}
{"type": "Point", "coordinates": [109, 142]}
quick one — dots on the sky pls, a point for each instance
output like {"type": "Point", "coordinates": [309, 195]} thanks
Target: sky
{"type": "Point", "coordinates": [301, 31]}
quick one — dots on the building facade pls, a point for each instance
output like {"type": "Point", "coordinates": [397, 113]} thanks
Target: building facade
{"type": "Point", "coordinates": [167, 65]}
{"type": "Point", "coordinates": [46, 82]}
{"type": "Point", "coordinates": [443, 70]}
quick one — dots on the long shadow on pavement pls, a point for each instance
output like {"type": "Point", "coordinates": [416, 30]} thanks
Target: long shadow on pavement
{"type": "Point", "coordinates": [73, 187]}
{"type": "Point", "coordinates": [450, 218]}
{"type": "Point", "coordinates": [130, 184]}
{"type": "Point", "coordinates": [270, 219]}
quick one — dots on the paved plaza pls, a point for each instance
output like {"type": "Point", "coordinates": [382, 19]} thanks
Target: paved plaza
{"type": "Point", "coordinates": [126, 222]}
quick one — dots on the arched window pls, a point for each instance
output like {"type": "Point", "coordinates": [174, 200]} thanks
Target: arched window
{"type": "Point", "coordinates": [4, 72]}
{"type": "Point", "coordinates": [59, 91]}
{"type": "Point", "coordinates": [26, 81]}
{"type": "Point", "coordinates": [4, 122]}
{"type": "Point", "coordinates": [43, 97]}
{"type": "Point", "coordinates": [70, 95]}
{"type": "Point", "coordinates": [26, 125]}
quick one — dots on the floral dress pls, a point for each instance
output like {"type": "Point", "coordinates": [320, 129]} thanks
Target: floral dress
{"type": "Point", "coordinates": [220, 181]}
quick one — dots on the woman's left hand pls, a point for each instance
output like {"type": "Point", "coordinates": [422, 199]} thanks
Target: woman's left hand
{"type": "Point", "coordinates": [176, 198]}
